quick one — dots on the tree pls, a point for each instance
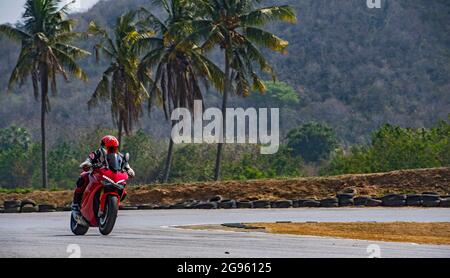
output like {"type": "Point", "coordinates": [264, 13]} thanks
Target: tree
{"type": "Point", "coordinates": [395, 148]}
{"type": "Point", "coordinates": [120, 83]}
{"type": "Point", "coordinates": [14, 136]}
{"type": "Point", "coordinates": [178, 62]}
{"type": "Point", "coordinates": [312, 141]}
{"type": "Point", "coordinates": [45, 52]}
{"type": "Point", "coordinates": [233, 25]}
{"type": "Point", "coordinates": [278, 94]}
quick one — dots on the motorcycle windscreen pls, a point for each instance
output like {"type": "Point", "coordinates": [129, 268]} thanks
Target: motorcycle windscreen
{"type": "Point", "coordinates": [114, 161]}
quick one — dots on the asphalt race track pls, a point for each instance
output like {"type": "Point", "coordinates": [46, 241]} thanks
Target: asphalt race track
{"type": "Point", "coordinates": [150, 233]}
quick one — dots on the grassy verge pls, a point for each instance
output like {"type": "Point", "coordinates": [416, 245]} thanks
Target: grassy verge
{"type": "Point", "coordinates": [423, 233]}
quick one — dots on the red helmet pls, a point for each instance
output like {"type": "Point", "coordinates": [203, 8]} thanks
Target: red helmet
{"type": "Point", "coordinates": [110, 143]}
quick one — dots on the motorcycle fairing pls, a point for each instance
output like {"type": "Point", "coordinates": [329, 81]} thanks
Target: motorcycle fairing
{"type": "Point", "coordinates": [96, 194]}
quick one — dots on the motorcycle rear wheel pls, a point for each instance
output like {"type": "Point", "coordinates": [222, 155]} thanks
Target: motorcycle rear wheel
{"type": "Point", "coordinates": [76, 228]}
{"type": "Point", "coordinates": [108, 219]}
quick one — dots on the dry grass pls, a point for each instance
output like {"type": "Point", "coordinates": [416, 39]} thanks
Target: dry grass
{"type": "Point", "coordinates": [424, 233]}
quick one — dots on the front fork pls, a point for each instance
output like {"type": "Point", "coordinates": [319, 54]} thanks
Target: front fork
{"type": "Point", "coordinates": [104, 198]}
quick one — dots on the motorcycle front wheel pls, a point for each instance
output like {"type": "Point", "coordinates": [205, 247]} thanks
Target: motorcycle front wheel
{"type": "Point", "coordinates": [108, 219]}
{"type": "Point", "coordinates": [76, 228]}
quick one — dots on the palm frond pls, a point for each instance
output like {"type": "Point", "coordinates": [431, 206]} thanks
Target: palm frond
{"type": "Point", "coordinates": [102, 91]}
{"type": "Point", "coordinates": [13, 33]}
{"type": "Point", "coordinates": [265, 39]}
{"type": "Point", "coordinates": [264, 15]}
{"type": "Point", "coordinates": [69, 64]}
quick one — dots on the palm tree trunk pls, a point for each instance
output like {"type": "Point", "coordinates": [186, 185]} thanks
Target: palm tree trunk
{"type": "Point", "coordinates": [226, 88]}
{"type": "Point", "coordinates": [119, 131]}
{"type": "Point", "coordinates": [168, 162]}
{"type": "Point", "coordinates": [169, 158]}
{"type": "Point", "coordinates": [44, 91]}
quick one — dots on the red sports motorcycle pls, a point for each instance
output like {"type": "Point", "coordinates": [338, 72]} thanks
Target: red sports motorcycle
{"type": "Point", "coordinates": [102, 197]}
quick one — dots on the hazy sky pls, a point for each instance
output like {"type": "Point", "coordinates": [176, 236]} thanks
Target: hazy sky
{"type": "Point", "coordinates": [11, 10]}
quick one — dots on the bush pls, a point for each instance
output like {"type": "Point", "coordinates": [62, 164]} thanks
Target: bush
{"type": "Point", "coordinates": [312, 141]}
{"type": "Point", "coordinates": [395, 148]}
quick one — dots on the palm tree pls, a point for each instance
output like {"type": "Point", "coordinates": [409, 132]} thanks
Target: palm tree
{"type": "Point", "coordinates": [180, 67]}
{"type": "Point", "coordinates": [234, 26]}
{"type": "Point", "coordinates": [120, 83]}
{"type": "Point", "coordinates": [45, 36]}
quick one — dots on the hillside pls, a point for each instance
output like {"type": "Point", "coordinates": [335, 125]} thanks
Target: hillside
{"type": "Point", "coordinates": [353, 67]}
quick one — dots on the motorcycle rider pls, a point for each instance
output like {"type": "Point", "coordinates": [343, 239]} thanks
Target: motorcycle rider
{"type": "Point", "coordinates": [109, 146]}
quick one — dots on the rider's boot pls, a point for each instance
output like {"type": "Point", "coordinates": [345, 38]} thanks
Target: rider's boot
{"type": "Point", "coordinates": [76, 203]}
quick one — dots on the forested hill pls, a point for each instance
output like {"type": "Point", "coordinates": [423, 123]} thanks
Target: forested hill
{"type": "Point", "coordinates": [353, 67]}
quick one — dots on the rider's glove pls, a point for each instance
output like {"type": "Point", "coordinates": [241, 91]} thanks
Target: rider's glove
{"type": "Point", "coordinates": [86, 165]}
{"type": "Point", "coordinates": [130, 172]}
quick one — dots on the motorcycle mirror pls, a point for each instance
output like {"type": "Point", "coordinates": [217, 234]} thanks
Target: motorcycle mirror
{"type": "Point", "coordinates": [127, 157]}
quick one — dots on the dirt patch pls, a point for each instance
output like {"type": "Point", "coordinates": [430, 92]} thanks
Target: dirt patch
{"type": "Point", "coordinates": [405, 181]}
{"type": "Point", "coordinates": [424, 233]}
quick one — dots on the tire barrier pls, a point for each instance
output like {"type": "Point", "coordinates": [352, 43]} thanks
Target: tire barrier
{"type": "Point", "coordinates": [414, 200]}
{"type": "Point", "coordinates": [217, 198]}
{"type": "Point", "coordinates": [281, 204]}
{"type": "Point", "coordinates": [371, 202]}
{"type": "Point", "coordinates": [145, 206]}
{"type": "Point", "coordinates": [430, 200]}
{"type": "Point", "coordinates": [206, 205]}
{"type": "Point", "coordinates": [243, 204]}
{"type": "Point", "coordinates": [47, 208]}
{"type": "Point", "coordinates": [300, 202]}
{"type": "Point", "coordinates": [162, 207]}
{"type": "Point", "coordinates": [28, 202]}
{"type": "Point", "coordinates": [29, 209]}
{"type": "Point", "coordinates": [28, 206]}
{"type": "Point", "coordinates": [177, 206]}
{"type": "Point", "coordinates": [360, 201]}
{"type": "Point", "coordinates": [11, 206]}
{"type": "Point", "coordinates": [394, 200]}
{"type": "Point", "coordinates": [127, 207]}
{"type": "Point", "coordinates": [426, 199]}
{"type": "Point", "coordinates": [345, 199]}
{"type": "Point", "coordinates": [190, 204]}
{"type": "Point", "coordinates": [311, 204]}
{"type": "Point", "coordinates": [430, 193]}
{"type": "Point", "coordinates": [11, 210]}
{"type": "Point", "coordinates": [64, 208]}
{"type": "Point", "coordinates": [227, 204]}
{"type": "Point", "coordinates": [261, 204]}
{"type": "Point", "coordinates": [445, 203]}
{"type": "Point", "coordinates": [345, 195]}
{"type": "Point", "coordinates": [329, 203]}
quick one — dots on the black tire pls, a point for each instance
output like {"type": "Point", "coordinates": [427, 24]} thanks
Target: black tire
{"type": "Point", "coordinates": [261, 204]}
{"type": "Point", "coordinates": [311, 204]}
{"type": "Point", "coordinates": [243, 204]}
{"type": "Point", "coordinates": [371, 202]}
{"type": "Point", "coordinates": [217, 198]}
{"type": "Point", "coordinates": [47, 208]}
{"type": "Point", "coordinates": [11, 204]}
{"type": "Point", "coordinates": [108, 219]}
{"type": "Point", "coordinates": [360, 201]}
{"type": "Point", "coordinates": [329, 202]}
{"type": "Point", "coordinates": [227, 204]}
{"type": "Point", "coordinates": [76, 228]}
